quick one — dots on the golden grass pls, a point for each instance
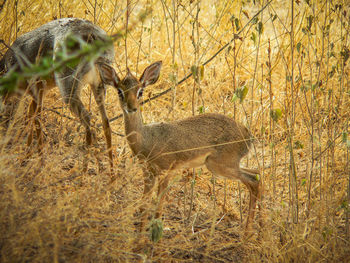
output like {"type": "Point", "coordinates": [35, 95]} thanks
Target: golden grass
{"type": "Point", "coordinates": [51, 211]}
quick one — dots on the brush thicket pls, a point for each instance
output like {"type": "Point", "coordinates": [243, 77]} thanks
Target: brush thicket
{"type": "Point", "coordinates": [286, 77]}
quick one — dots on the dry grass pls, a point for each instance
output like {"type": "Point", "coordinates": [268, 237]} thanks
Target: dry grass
{"type": "Point", "coordinates": [51, 211]}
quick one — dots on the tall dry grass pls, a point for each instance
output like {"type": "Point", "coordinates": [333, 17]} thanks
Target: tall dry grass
{"type": "Point", "coordinates": [293, 64]}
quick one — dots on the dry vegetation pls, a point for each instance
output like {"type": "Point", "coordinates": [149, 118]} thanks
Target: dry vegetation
{"type": "Point", "coordinates": [294, 65]}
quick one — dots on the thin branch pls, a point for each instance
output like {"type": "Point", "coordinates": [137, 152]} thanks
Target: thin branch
{"type": "Point", "coordinates": [205, 63]}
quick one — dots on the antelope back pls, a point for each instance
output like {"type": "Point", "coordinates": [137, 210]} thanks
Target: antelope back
{"type": "Point", "coordinates": [46, 39]}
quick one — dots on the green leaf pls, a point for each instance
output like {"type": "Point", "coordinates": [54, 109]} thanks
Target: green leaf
{"type": "Point", "coordinates": [234, 98]}
{"type": "Point", "coordinates": [333, 71]}
{"type": "Point", "coordinates": [8, 83]}
{"type": "Point", "coordinates": [276, 114]}
{"type": "Point", "coordinates": [244, 93]}
{"type": "Point", "coordinates": [173, 78]}
{"type": "Point", "coordinates": [72, 43]}
{"type": "Point", "coordinates": [255, 20]}
{"type": "Point", "coordinates": [298, 46]}
{"type": "Point", "coordinates": [306, 87]}
{"type": "Point", "coordinates": [144, 14]}
{"type": "Point", "coordinates": [345, 54]}
{"type": "Point", "coordinates": [309, 19]}
{"type": "Point", "coordinates": [260, 28]}
{"type": "Point", "coordinates": [344, 205]}
{"type": "Point", "coordinates": [253, 37]}
{"type": "Point", "coordinates": [238, 27]}
{"type": "Point", "coordinates": [197, 72]}
{"type": "Point", "coordinates": [201, 109]}
{"type": "Point", "coordinates": [298, 145]}
{"type": "Point", "coordinates": [201, 72]}
{"type": "Point", "coordinates": [273, 17]}
{"type": "Point", "coordinates": [241, 93]}
{"type": "Point", "coordinates": [303, 182]}
{"type": "Point", "coordinates": [156, 230]}
{"type": "Point", "coordinates": [73, 63]}
{"type": "Point", "coordinates": [345, 137]}
{"type": "Point", "coordinates": [317, 85]}
{"type": "Point", "coordinates": [228, 50]}
{"type": "Point", "coordinates": [194, 71]}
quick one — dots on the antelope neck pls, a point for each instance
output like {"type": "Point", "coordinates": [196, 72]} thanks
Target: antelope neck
{"type": "Point", "coordinates": [133, 129]}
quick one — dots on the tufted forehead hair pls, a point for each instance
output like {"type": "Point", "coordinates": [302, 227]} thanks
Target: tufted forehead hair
{"type": "Point", "coordinates": [130, 80]}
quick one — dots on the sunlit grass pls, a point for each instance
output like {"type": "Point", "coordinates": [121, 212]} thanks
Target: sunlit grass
{"type": "Point", "coordinates": [51, 211]}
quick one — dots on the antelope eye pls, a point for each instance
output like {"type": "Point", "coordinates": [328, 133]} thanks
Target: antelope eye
{"type": "Point", "coordinates": [139, 93]}
{"type": "Point", "coordinates": [121, 94]}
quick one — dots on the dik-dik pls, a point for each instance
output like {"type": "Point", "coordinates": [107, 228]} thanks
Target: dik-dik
{"type": "Point", "coordinates": [213, 140]}
{"type": "Point", "coordinates": [47, 40]}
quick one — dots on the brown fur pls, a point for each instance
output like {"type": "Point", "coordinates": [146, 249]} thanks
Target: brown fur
{"type": "Point", "coordinates": [213, 140]}
{"type": "Point", "coordinates": [45, 41]}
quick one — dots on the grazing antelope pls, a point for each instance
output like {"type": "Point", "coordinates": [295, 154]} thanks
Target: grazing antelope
{"type": "Point", "coordinates": [47, 40]}
{"type": "Point", "coordinates": [213, 140]}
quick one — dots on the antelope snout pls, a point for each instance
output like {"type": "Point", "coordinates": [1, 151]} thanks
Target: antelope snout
{"type": "Point", "coordinates": [129, 109]}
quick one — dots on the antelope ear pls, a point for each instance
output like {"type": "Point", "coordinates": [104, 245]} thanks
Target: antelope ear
{"type": "Point", "coordinates": [108, 75]}
{"type": "Point", "coordinates": [151, 74]}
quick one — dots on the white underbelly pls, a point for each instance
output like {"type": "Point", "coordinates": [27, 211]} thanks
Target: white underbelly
{"type": "Point", "coordinates": [197, 161]}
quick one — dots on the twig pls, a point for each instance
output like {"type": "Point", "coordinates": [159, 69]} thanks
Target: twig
{"type": "Point", "coordinates": [73, 119]}
{"type": "Point", "coordinates": [60, 114]}
{"type": "Point", "coordinates": [206, 229]}
{"type": "Point", "coordinates": [3, 42]}
{"type": "Point", "coordinates": [331, 143]}
{"type": "Point", "coordinates": [126, 31]}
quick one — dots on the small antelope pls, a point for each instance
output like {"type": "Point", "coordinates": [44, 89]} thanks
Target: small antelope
{"type": "Point", "coordinates": [47, 40]}
{"type": "Point", "coordinates": [213, 140]}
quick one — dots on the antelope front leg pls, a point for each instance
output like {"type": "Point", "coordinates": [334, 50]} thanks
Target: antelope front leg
{"type": "Point", "coordinates": [149, 180]}
{"type": "Point", "coordinates": [162, 193]}
{"type": "Point", "coordinates": [99, 97]}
